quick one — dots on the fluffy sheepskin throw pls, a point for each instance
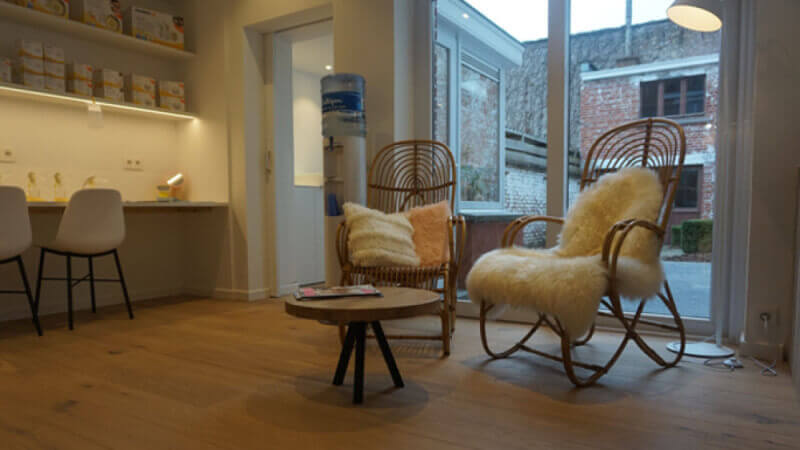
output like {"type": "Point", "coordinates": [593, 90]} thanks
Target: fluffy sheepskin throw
{"type": "Point", "coordinates": [568, 281]}
{"type": "Point", "coordinates": [379, 239]}
{"type": "Point", "coordinates": [431, 241]}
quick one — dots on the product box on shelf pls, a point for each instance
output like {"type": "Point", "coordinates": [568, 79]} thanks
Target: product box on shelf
{"type": "Point", "coordinates": [105, 14]}
{"type": "Point", "coordinates": [30, 49]}
{"type": "Point", "coordinates": [79, 79]}
{"type": "Point", "coordinates": [142, 99]}
{"type": "Point", "coordinates": [55, 84]}
{"type": "Point", "coordinates": [171, 89]}
{"type": "Point", "coordinates": [53, 54]}
{"type": "Point", "coordinates": [6, 70]}
{"type": "Point", "coordinates": [30, 65]}
{"type": "Point", "coordinates": [108, 78]}
{"type": "Point", "coordinates": [140, 83]}
{"type": "Point", "coordinates": [55, 7]}
{"type": "Point", "coordinates": [154, 26]}
{"type": "Point", "coordinates": [109, 93]}
{"type": "Point", "coordinates": [173, 104]}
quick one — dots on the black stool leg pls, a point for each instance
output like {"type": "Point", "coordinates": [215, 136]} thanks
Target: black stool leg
{"type": "Point", "coordinates": [39, 281]}
{"type": "Point", "coordinates": [91, 284]}
{"type": "Point", "coordinates": [124, 287]}
{"type": "Point", "coordinates": [34, 313]}
{"type": "Point", "coordinates": [358, 378]}
{"type": "Point", "coordinates": [344, 356]}
{"type": "Point", "coordinates": [387, 354]}
{"type": "Point", "coordinates": [69, 292]}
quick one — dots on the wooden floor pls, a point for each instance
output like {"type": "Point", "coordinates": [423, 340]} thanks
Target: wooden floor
{"type": "Point", "coordinates": [212, 374]}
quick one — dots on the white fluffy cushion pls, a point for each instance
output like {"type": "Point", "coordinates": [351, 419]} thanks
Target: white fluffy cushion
{"type": "Point", "coordinates": [379, 239]}
{"type": "Point", "coordinates": [569, 280]}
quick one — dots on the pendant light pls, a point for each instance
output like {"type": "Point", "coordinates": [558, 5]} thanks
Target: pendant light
{"type": "Point", "coordinates": [696, 15]}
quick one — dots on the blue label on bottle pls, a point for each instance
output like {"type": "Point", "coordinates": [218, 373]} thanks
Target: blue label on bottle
{"type": "Point", "coordinates": [345, 101]}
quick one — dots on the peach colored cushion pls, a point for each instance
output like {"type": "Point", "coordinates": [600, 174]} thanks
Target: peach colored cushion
{"type": "Point", "coordinates": [431, 241]}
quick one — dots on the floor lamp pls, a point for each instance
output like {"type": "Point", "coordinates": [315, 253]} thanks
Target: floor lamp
{"type": "Point", "coordinates": [704, 16]}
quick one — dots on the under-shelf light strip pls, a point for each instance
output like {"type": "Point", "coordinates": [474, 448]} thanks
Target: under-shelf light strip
{"type": "Point", "coordinates": [89, 101]}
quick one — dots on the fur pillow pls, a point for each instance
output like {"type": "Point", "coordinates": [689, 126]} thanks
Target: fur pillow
{"type": "Point", "coordinates": [430, 233]}
{"type": "Point", "coordinates": [378, 239]}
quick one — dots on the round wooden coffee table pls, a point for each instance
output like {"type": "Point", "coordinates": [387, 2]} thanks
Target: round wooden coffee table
{"type": "Point", "coordinates": [357, 312]}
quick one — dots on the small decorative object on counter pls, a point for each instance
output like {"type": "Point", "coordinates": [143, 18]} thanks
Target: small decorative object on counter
{"type": "Point", "coordinates": [55, 7]}
{"type": "Point", "coordinates": [33, 192]}
{"type": "Point", "coordinates": [106, 14]}
{"type": "Point", "coordinates": [154, 26]}
{"type": "Point", "coordinates": [162, 193]}
{"type": "Point", "coordinates": [59, 192]}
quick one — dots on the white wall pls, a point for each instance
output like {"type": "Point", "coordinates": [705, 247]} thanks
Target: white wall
{"type": "Point", "coordinates": [774, 172]}
{"type": "Point", "coordinates": [307, 123]}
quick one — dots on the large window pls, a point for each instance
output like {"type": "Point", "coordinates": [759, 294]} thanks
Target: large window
{"type": "Point", "coordinates": [674, 96]}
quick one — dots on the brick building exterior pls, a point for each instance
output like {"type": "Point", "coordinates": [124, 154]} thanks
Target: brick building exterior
{"type": "Point", "coordinates": [605, 91]}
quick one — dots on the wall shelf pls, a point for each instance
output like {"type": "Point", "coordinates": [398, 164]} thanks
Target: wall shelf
{"type": "Point", "coordinates": [74, 28]}
{"type": "Point", "coordinates": [139, 205]}
{"type": "Point", "coordinates": [19, 91]}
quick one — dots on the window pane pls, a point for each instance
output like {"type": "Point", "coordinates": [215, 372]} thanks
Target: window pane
{"type": "Point", "coordinates": [650, 99]}
{"type": "Point", "coordinates": [672, 97]}
{"type": "Point", "coordinates": [441, 94]}
{"type": "Point", "coordinates": [615, 77]}
{"type": "Point", "coordinates": [686, 196]}
{"type": "Point", "coordinates": [479, 137]}
{"type": "Point", "coordinates": [695, 94]}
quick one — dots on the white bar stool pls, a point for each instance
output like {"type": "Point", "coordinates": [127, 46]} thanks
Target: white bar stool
{"type": "Point", "coordinates": [15, 238]}
{"type": "Point", "coordinates": [93, 225]}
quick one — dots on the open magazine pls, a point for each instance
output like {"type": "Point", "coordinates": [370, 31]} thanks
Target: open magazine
{"type": "Point", "coordinates": [364, 290]}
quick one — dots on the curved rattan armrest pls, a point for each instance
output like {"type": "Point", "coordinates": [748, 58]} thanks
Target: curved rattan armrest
{"type": "Point", "coordinates": [613, 245]}
{"type": "Point", "coordinates": [510, 234]}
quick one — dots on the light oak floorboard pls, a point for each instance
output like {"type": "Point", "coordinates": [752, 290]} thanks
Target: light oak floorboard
{"type": "Point", "coordinates": [199, 373]}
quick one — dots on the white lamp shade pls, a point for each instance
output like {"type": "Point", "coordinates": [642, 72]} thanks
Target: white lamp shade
{"type": "Point", "coordinates": [696, 15]}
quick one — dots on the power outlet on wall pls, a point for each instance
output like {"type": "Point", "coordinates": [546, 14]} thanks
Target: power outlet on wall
{"type": "Point", "coordinates": [769, 321]}
{"type": "Point", "coordinates": [7, 156]}
{"type": "Point", "coordinates": [133, 163]}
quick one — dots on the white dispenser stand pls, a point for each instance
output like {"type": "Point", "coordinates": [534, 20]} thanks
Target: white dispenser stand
{"type": "Point", "coordinates": [345, 163]}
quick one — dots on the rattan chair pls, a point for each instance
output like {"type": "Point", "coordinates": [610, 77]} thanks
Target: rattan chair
{"type": "Point", "coordinates": [659, 144]}
{"type": "Point", "coordinates": [404, 175]}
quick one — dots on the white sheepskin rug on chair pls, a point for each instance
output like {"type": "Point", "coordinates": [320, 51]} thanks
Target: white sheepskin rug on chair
{"type": "Point", "coordinates": [568, 281]}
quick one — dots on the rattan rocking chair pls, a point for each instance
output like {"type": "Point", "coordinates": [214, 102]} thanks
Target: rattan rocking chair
{"type": "Point", "coordinates": [402, 176]}
{"type": "Point", "coordinates": [656, 143]}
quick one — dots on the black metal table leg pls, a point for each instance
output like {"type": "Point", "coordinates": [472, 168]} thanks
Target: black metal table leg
{"type": "Point", "coordinates": [344, 356]}
{"type": "Point", "coordinates": [358, 377]}
{"type": "Point", "coordinates": [387, 354]}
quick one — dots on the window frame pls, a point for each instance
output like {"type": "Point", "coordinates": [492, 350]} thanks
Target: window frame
{"type": "Point", "coordinates": [698, 189]}
{"type": "Point", "coordinates": [660, 96]}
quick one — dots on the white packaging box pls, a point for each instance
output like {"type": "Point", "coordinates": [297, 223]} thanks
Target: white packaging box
{"type": "Point", "coordinates": [171, 89]}
{"type": "Point", "coordinates": [99, 13]}
{"type": "Point", "coordinates": [109, 93]}
{"type": "Point", "coordinates": [55, 7]}
{"type": "Point", "coordinates": [173, 104]}
{"type": "Point", "coordinates": [140, 83]}
{"type": "Point", "coordinates": [79, 79]}
{"type": "Point", "coordinates": [33, 66]}
{"type": "Point", "coordinates": [154, 26]}
{"type": "Point", "coordinates": [142, 99]}
{"type": "Point", "coordinates": [31, 49]}
{"type": "Point", "coordinates": [53, 54]}
{"type": "Point", "coordinates": [31, 80]}
{"type": "Point", "coordinates": [82, 72]}
{"type": "Point", "coordinates": [55, 70]}
{"type": "Point", "coordinates": [108, 78]}
{"type": "Point", "coordinates": [80, 87]}
{"type": "Point", "coordinates": [55, 84]}
{"type": "Point", "coordinates": [6, 70]}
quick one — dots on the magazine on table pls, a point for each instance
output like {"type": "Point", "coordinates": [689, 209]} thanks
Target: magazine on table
{"type": "Point", "coordinates": [364, 290]}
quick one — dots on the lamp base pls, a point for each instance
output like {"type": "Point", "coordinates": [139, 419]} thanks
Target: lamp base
{"type": "Point", "coordinates": [702, 349]}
